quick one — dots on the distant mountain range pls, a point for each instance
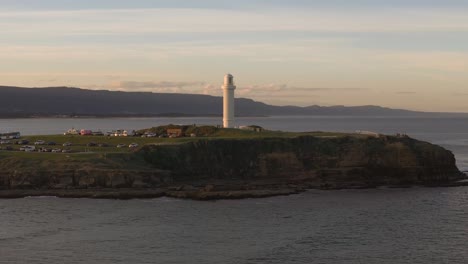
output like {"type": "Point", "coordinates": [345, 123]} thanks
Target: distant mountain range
{"type": "Point", "coordinates": [64, 101]}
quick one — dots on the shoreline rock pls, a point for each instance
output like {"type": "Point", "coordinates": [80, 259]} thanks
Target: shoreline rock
{"type": "Point", "coordinates": [192, 194]}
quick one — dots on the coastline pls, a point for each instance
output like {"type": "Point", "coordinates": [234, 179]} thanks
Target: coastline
{"type": "Point", "coordinates": [127, 194]}
{"type": "Point", "coordinates": [229, 164]}
{"type": "Point", "coordinates": [192, 193]}
{"type": "Point", "coordinates": [164, 115]}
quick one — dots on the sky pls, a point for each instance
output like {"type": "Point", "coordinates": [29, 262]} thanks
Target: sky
{"type": "Point", "coordinates": [401, 54]}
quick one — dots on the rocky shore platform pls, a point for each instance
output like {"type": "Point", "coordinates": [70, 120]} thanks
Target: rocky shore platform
{"type": "Point", "coordinates": [126, 194]}
{"type": "Point", "coordinates": [192, 193]}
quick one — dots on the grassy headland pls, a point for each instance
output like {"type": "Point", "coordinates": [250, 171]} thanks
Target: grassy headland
{"type": "Point", "coordinates": [108, 144]}
{"type": "Point", "coordinates": [206, 162]}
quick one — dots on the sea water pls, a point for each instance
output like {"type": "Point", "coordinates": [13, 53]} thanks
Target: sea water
{"type": "Point", "coordinates": [414, 225]}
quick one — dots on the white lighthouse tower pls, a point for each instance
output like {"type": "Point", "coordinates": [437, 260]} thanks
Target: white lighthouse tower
{"type": "Point", "coordinates": [228, 101]}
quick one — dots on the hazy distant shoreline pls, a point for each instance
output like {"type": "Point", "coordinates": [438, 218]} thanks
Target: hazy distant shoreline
{"type": "Point", "coordinates": [181, 115]}
{"type": "Point", "coordinates": [113, 116]}
{"type": "Point", "coordinates": [16, 102]}
{"type": "Point", "coordinates": [13, 116]}
{"type": "Point", "coordinates": [164, 115]}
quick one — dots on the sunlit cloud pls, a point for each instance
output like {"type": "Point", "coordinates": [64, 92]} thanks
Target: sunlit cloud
{"type": "Point", "coordinates": [143, 21]}
{"type": "Point", "coordinates": [162, 86]}
{"type": "Point", "coordinates": [432, 60]}
{"type": "Point", "coordinates": [406, 93]}
{"type": "Point", "coordinates": [281, 53]}
{"type": "Point", "coordinates": [286, 90]}
{"type": "Point", "coordinates": [460, 94]}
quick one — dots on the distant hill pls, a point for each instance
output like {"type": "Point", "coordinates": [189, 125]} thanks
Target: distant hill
{"type": "Point", "coordinates": [56, 101]}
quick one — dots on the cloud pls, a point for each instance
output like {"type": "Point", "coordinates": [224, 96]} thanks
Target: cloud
{"type": "Point", "coordinates": [162, 86]}
{"type": "Point", "coordinates": [260, 92]}
{"type": "Point", "coordinates": [211, 89]}
{"type": "Point", "coordinates": [440, 61]}
{"type": "Point", "coordinates": [49, 80]}
{"type": "Point", "coordinates": [289, 91]}
{"type": "Point", "coordinates": [405, 93]}
{"type": "Point", "coordinates": [310, 48]}
{"type": "Point", "coordinates": [161, 20]}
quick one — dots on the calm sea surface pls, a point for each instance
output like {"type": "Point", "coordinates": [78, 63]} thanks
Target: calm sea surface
{"type": "Point", "coordinates": [416, 225]}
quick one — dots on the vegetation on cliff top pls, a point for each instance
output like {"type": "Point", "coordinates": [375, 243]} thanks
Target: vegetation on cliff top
{"type": "Point", "coordinates": [107, 144]}
{"type": "Point", "coordinates": [103, 153]}
{"type": "Point", "coordinates": [217, 162]}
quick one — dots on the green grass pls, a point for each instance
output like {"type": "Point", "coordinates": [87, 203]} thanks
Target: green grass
{"type": "Point", "coordinates": [112, 157]}
{"type": "Point", "coordinates": [79, 143]}
{"type": "Point", "coordinates": [48, 155]}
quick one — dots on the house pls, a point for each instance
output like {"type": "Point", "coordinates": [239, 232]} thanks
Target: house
{"type": "Point", "coordinates": [174, 132]}
{"type": "Point", "coordinates": [368, 133]}
{"type": "Point", "coordinates": [252, 128]}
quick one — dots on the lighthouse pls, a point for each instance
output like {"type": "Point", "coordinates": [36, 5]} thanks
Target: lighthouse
{"type": "Point", "coordinates": [228, 101]}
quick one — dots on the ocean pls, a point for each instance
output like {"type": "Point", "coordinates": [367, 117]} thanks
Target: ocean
{"type": "Point", "coordinates": [408, 225]}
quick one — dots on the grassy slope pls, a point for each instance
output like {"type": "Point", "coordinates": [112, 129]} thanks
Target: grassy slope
{"type": "Point", "coordinates": [111, 156]}
{"type": "Point", "coordinates": [79, 143]}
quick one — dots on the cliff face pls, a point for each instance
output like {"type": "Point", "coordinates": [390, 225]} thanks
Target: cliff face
{"type": "Point", "coordinates": [215, 166]}
{"type": "Point", "coordinates": [97, 171]}
{"type": "Point", "coordinates": [320, 162]}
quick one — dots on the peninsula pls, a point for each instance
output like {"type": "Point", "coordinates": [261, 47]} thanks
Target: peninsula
{"type": "Point", "coordinates": [206, 162]}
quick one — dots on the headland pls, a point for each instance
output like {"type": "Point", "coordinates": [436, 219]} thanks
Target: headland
{"type": "Point", "coordinates": [206, 162]}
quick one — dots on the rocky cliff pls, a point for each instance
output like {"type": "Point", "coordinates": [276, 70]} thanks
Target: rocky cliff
{"type": "Point", "coordinates": [337, 162]}
{"type": "Point", "coordinates": [238, 168]}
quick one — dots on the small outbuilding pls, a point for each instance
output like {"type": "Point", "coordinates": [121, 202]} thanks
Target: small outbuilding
{"type": "Point", "coordinates": [252, 128]}
{"type": "Point", "coordinates": [174, 132]}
